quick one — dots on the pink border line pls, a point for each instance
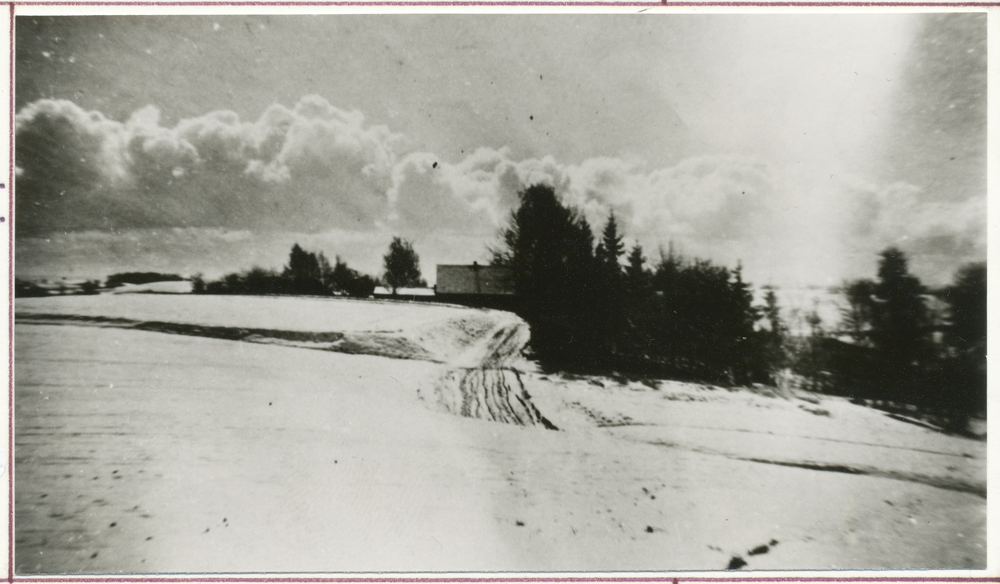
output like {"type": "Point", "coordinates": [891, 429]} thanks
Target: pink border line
{"type": "Point", "coordinates": [439, 580]}
{"type": "Point", "coordinates": [10, 313]}
{"type": "Point", "coordinates": [543, 4]}
{"type": "Point", "coordinates": [305, 578]}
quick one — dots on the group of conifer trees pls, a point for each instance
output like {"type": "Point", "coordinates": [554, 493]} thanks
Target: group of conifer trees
{"type": "Point", "coordinates": [598, 307]}
{"type": "Point", "coordinates": [912, 344]}
{"type": "Point", "coordinates": [593, 306]}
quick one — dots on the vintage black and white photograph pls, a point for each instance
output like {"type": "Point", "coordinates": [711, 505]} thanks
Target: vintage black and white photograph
{"type": "Point", "coordinates": [625, 292]}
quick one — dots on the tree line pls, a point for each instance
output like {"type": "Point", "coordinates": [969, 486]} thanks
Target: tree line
{"type": "Point", "coordinates": [306, 273]}
{"type": "Point", "coordinates": [592, 305]}
{"type": "Point", "coordinates": [311, 274]}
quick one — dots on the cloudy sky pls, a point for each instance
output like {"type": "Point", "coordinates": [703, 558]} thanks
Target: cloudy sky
{"type": "Point", "coordinates": [800, 145]}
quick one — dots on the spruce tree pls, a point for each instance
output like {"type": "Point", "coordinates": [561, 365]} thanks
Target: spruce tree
{"type": "Point", "coordinates": [966, 389]}
{"type": "Point", "coordinates": [899, 322]}
{"type": "Point", "coordinates": [900, 314]}
{"type": "Point", "coordinates": [967, 300]}
{"type": "Point", "coordinates": [635, 273]}
{"type": "Point", "coordinates": [613, 248]}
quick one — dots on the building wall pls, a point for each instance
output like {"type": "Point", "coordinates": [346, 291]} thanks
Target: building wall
{"type": "Point", "coordinates": [474, 279]}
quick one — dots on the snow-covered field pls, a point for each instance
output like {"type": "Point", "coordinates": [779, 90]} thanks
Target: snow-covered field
{"type": "Point", "coordinates": [271, 312]}
{"type": "Point", "coordinates": [139, 451]}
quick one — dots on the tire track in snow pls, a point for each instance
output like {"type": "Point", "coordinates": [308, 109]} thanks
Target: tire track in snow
{"type": "Point", "coordinates": [484, 385]}
{"type": "Point", "coordinates": [496, 395]}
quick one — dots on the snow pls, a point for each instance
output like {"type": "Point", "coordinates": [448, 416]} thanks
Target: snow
{"type": "Point", "coordinates": [179, 287]}
{"type": "Point", "coordinates": [139, 451]}
{"type": "Point", "coordinates": [383, 291]}
{"type": "Point", "coordinates": [274, 312]}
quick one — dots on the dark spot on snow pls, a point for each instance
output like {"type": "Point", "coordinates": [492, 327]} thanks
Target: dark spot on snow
{"type": "Point", "coordinates": [93, 555]}
{"type": "Point", "coordinates": [114, 472]}
{"type": "Point", "coordinates": [519, 523]}
{"type": "Point", "coordinates": [772, 543]}
{"type": "Point", "coordinates": [761, 549]}
{"type": "Point", "coordinates": [113, 524]}
{"type": "Point", "coordinates": [736, 563]}
{"type": "Point", "coordinates": [149, 538]}
{"type": "Point", "coordinates": [649, 529]}
{"type": "Point", "coordinates": [435, 165]}
{"type": "Point", "coordinates": [44, 495]}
